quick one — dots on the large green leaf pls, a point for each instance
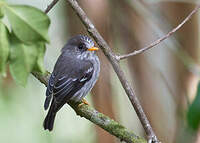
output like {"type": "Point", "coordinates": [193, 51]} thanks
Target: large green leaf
{"type": "Point", "coordinates": [1, 12]}
{"type": "Point", "coordinates": [39, 66]}
{"type": "Point", "coordinates": [4, 48]}
{"type": "Point", "coordinates": [22, 60]}
{"type": "Point", "coordinates": [28, 23]}
{"type": "Point", "coordinates": [193, 114]}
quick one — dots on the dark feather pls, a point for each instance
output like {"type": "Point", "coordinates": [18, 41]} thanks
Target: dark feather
{"type": "Point", "coordinates": [49, 91]}
{"type": "Point", "coordinates": [50, 118]}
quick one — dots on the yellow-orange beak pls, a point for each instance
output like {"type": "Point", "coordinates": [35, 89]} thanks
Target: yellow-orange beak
{"type": "Point", "coordinates": [93, 49]}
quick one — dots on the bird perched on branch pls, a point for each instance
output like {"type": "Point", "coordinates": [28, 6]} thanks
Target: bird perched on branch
{"type": "Point", "coordinates": [75, 73]}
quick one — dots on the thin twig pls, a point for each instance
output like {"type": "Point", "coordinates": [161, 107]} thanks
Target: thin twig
{"type": "Point", "coordinates": [113, 60]}
{"type": "Point", "coordinates": [98, 118]}
{"type": "Point", "coordinates": [121, 57]}
{"type": "Point", "coordinates": [49, 7]}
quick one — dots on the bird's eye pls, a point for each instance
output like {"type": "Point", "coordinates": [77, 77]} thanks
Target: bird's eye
{"type": "Point", "coordinates": [81, 46]}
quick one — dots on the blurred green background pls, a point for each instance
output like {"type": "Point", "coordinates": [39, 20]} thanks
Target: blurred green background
{"type": "Point", "coordinates": [165, 78]}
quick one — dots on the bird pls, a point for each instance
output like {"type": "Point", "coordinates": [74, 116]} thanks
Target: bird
{"type": "Point", "coordinates": [74, 75]}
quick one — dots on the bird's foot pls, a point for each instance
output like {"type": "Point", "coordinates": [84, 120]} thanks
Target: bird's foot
{"type": "Point", "coordinates": [83, 102]}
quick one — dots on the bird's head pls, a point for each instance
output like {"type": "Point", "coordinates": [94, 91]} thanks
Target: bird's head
{"type": "Point", "coordinates": [80, 44]}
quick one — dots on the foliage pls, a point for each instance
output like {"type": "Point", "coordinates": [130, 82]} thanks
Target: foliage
{"type": "Point", "coordinates": [23, 45]}
{"type": "Point", "coordinates": [4, 47]}
{"type": "Point", "coordinates": [193, 114]}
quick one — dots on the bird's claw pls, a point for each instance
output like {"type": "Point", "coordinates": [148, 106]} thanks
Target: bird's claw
{"type": "Point", "coordinates": [83, 102]}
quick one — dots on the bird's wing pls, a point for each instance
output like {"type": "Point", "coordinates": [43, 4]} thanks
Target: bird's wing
{"type": "Point", "coordinates": [64, 86]}
{"type": "Point", "coordinates": [49, 91]}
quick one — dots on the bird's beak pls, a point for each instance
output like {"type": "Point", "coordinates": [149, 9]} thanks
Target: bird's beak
{"type": "Point", "coordinates": [93, 49]}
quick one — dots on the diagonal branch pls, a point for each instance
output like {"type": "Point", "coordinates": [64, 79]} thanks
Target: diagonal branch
{"type": "Point", "coordinates": [158, 41]}
{"type": "Point", "coordinates": [49, 7]}
{"type": "Point", "coordinates": [98, 118]}
{"type": "Point", "coordinates": [114, 61]}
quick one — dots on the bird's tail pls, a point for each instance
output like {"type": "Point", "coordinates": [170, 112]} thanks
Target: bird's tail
{"type": "Point", "coordinates": [49, 120]}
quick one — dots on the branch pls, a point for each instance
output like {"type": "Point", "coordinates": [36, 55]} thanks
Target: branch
{"type": "Point", "coordinates": [158, 41]}
{"type": "Point", "coordinates": [98, 118]}
{"type": "Point", "coordinates": [49, 7]}
{"type": "Point", "coordinates": [114, 61]}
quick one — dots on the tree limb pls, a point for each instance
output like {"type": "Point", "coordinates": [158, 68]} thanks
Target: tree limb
{"type": "Point", "coordinates": [158, 41]}
{"type": "Point", "coordinates": [98, 118]}
{"type": "Point", "coordinates": [114, 61]}
{"type": "Point", "coordinates": [49, 7]}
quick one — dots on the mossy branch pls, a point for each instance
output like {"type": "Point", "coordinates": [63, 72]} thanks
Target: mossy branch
{"type": "Point", "coordinates": [98, 118]}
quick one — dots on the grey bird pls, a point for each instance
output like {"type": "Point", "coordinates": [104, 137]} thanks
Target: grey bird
{"type": "Point", "coordinates": [75, 73]}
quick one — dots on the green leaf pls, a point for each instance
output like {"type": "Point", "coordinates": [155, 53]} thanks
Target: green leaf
{"type": "Point", "coordinates": [22, 60]}
{"type": "Point", "coordinates": [28, 23]}
{"type": "Point", "coordinates": [39, 66]}
{"type": "Point", "coordinates": [4, 48]}
{"type": "Point", "coordinates": [2, 4]}
{"type": "Point", "coordinates": [193, 114]}
{"type": "Point", "coordinates": [1, 12]}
